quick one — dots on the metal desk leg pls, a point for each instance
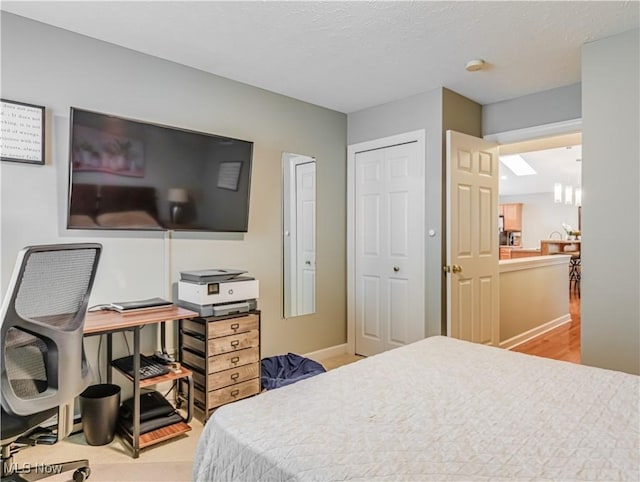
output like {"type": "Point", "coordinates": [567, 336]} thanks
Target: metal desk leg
{"type": "Point", "coordinates": [136, 392]}
{"type": "Point", "coordinates": [189, 399]}
{"type": "Point", "coordinates": [109, 357]}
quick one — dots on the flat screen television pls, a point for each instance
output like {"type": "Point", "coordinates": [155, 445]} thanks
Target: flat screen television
{"type": "Point", "coordinates": [127, 174]}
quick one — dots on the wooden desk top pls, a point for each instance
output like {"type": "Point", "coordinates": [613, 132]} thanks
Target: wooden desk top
{"type": "Point", "coordinates": [104, 321]}
{"type": "Point", "coordinates": [560, 241]}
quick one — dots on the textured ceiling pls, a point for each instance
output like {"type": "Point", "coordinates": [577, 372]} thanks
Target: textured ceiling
{"type": "Point", "coordinates": [348, 56]}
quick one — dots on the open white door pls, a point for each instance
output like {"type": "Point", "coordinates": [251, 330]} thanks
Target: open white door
{"type": "Point", "coordinates": [473, 309]}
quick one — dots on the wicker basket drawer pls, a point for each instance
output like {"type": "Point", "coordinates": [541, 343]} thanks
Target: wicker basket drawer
{"type": "Point", "coordinates": [231, 360]}
{"type": "Point", "coordinates": [235, 392]}
{"type": "Point", "coordinates": [236, 342]}
{"type": "Point", "coordinates": [233, 326]}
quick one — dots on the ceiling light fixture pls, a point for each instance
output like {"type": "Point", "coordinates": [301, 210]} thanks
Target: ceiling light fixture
{"type": "Point", "coordinates": [557, 193]}
{"type": "Point", "coordinates": [578, 196]}
{"type": "Point", "coordinates": [571, 195]}
{"type": "Point", "coordinates": [568, 194]}
{"type": "Point", "coordinates": [475, 65]}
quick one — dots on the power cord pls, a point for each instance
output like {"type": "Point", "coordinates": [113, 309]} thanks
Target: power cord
{"type": "Point", "coordinates": [126, 340]}
{"type": "Point", "coordinates": [99, 347]}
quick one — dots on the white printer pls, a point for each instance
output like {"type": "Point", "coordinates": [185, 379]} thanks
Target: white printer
{"type": "Point", "coordinates": [216, 292]}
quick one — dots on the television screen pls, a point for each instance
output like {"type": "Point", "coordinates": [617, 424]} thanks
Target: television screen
{"type": "Point", "coordinates": [127, 174]}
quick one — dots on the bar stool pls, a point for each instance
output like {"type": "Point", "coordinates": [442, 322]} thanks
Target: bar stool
{"type": "Point", "coordinates": [574, 272]}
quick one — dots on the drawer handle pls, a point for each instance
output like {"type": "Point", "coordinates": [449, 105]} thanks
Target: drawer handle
{"type": "Point", "coordinates": [235, 376]}
{"type": "Point", "coordinates": [235, 343]}
{"type": "Point", "coordinates": [235, 326]}
{"type": "Point", "coordinates": [235, 359]}
{"type": "Point", "coordinates": [234, 393]}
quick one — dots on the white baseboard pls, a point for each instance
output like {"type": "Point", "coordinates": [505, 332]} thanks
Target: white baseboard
{"type": "Point", "coordinates": [537, 331]}
{"type": "Point", "coordinates": [323, 354]}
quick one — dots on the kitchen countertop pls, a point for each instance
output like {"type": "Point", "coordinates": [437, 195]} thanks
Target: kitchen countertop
{"type": "Point", "coordinates": [551, 246]}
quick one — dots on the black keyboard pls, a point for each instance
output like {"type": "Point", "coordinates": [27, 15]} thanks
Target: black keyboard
{"type": "Point", "coordinates": [149, 368]}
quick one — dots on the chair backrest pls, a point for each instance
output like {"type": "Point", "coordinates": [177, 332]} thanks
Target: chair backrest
{"type": "Point", "coordinates": [42, 360]}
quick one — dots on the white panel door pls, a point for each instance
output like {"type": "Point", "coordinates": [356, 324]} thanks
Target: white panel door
{"type": "Point", "coordinates": [473, 310]}
{"type": "Point", "coordinates": [306, 237]}
{"type": "Point", "coordinates": [389, 248]}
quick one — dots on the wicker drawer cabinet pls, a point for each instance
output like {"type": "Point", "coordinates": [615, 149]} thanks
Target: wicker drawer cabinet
{"type": "Point", "coordinates": [224, 354]}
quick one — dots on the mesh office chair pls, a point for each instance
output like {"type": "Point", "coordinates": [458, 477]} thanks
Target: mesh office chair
{"type": "Point", "coordinates": [42, 361]}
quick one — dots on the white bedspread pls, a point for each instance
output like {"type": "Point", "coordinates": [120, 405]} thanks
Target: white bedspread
{"type": "Point", "coordinates": [439, 409]}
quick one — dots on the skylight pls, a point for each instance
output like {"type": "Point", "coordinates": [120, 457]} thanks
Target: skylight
{"type": "Point", "coordinates": [517, 165]}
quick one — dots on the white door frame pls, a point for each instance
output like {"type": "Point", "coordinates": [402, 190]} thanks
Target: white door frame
{"type": "Point", "coordinates": [289, 229]}
{"type": "Point", "coordinates": [404, 138]}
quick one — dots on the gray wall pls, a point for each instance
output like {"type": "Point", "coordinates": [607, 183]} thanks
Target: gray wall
{"type": "Point", "coordinates": [422, 111]}
{"type": "Point", "coordinates": [58, 69]}
{"type": "Point", "coordinates": [532, 110]}
{"type": "Point", "coordinates": [461, 115]}
{"type": "Point", "coordinates": [611, 207]}
{"type": "Point", "coordinates": [434, 111]}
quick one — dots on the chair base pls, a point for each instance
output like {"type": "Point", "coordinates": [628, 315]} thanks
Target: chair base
{"type": "Point", "coordinates": [81, 467]}
{"type": "Point", "coordinates": [27, 473]}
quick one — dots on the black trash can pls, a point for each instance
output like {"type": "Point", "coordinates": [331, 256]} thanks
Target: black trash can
{"type": "Point", "coordinates": [99, 406]}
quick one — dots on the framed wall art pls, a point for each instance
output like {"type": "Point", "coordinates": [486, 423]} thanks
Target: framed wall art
{"type": "Point", "coordinates": [21, 132]}
{"type": "Point", "coordinates": [229, 175]}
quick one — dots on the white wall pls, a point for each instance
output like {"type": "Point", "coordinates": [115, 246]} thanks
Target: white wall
{"type": "Point", "coordinates": [541, 216]}
{"type": "Point", "coordinates": [58, 69]}
{"type": "Point", "coordinates": [611, 219]}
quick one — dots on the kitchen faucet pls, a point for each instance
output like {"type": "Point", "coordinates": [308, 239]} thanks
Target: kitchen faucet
{"type": "Point", "coordinates": [555, 232]}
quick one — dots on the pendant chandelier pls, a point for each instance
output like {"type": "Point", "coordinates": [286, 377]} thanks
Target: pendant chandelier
{"type": "Point", "coordinates": [571, 195]}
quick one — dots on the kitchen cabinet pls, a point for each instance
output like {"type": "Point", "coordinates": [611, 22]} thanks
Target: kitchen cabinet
{"type": "Point", "coordinates": [512, 213]}
{"type": "Point", "coordinates": [524, 253]}
{"type": "Point", "coordinates": [508, 252]}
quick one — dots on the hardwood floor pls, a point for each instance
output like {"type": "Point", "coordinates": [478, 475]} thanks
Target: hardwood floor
{"type": "Point", "coordinates": [563, 343]}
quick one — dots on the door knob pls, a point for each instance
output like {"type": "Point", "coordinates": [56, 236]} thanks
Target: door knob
{"type": "Point", "coordinates": [308, 263]}
{"type": "Point", "coordinates": [396, 268]}
{"type": "Point", "coordinates": [456, 268]}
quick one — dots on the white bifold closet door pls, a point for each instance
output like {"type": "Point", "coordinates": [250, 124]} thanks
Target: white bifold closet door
{"type": "Point", "coordinates": [389, 248]}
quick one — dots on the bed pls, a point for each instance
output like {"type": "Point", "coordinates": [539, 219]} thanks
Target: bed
{"type": "Point", "coordinates": [112, 206]}
{"type": "Point", "coordinates": [439, 409]}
